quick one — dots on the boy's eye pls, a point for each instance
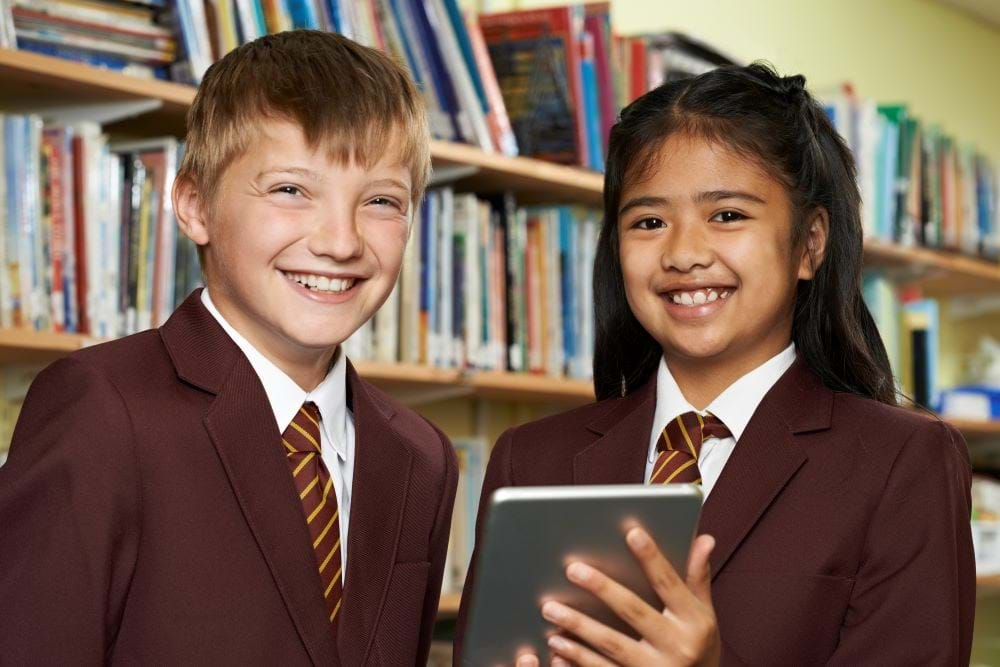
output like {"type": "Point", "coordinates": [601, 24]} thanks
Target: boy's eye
{"type": "Point", "coordinates": [288, 190]}
{"type": "Point", "coordinates": [386, 201]}
{"type": "Point", "coordinates": [649, 223]}
{"type": "Point", "coordinates": [728, 216]}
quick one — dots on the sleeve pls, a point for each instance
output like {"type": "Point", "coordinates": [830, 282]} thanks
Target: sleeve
{"type": "Point", "coordinates": [914, 595]}
{"type": "Point", "coordinates": [69, 507]}
{"type": "Point", "coordinates": [499, 473]}
{"type": "Point", "coordinates": [439, 548]}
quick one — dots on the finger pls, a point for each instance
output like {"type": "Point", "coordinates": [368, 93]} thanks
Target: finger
{"type": "Point", "coordinates": [611, 643]}
{"type": "Point", "coordinates": [699, 574]}
{"type": "Point", "coordinates": [527, 660]}
{"type": "Point", "coordinates": [559, 661]}
{"type": "Point", "coordinates": [662, 576]}
{"type": "Point", "coordinates": [628, 606]}
{"type": "Point", "coordinates": [576, 653]}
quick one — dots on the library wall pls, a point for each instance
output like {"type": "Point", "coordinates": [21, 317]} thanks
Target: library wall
{"type": "Point", "coordinates": [922, 52]}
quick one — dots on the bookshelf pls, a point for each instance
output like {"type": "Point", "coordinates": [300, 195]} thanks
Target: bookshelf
{"type": "Point", "coordinates": [409, 382]}
{"type": "Point", "coordinates": [36, 82]}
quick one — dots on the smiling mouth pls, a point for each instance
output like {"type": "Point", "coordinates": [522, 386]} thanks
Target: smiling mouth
{"type": "Point", "coordinates": [699, 297]}
{"type": "Point", "coordinates": [321, 284]}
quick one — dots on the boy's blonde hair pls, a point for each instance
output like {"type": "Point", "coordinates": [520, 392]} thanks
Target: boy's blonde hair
{"type": "Point", "coordinates": [355, 101]}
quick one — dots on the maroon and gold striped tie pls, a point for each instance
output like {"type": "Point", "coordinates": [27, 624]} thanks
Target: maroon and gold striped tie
{"type": "Point", "coordinates": [319, 501]}
{"type": "Point", "coordinates": [679, 446]}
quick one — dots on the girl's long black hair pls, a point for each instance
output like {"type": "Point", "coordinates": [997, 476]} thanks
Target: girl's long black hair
{"type": "Point", "coordinates": [774, 121]}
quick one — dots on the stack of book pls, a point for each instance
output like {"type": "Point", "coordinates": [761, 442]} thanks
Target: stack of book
{"type": "Point", "coordinates": [919, 185]}
{"type": "Point", "coordinates": [909, 325]}
{"type": "Point", "coordinates": [89, 242]}
{"type": "Point", "coordinates": [442, 49]}
{"type": "Point", "coordinates": [488, 285]}
{"type": "Point", "coordinates": [106, 33]}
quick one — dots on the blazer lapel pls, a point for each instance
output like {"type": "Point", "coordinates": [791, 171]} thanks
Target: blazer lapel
{"type": "Point", "coordinates": [619, 456]}
{"type": "Point", "coordinates": [382, 462]}
{"type": "Point", "coordinates": [765, 459]}
{"type": "Point", "coordinates": [241, 425]}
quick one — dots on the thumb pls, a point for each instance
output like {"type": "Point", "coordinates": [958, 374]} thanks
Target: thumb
{"type": "Point", "coordinates": [699, 574]}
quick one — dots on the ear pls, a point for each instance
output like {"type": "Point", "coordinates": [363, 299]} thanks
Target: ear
{"type": "Point", "coordinates": [191, 210]}
{"type": "Point", "coordinates": [814, 249]}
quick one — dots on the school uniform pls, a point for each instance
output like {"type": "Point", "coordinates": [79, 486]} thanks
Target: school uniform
{"type": "Point", "coordinates": [150, 516]}
{"type": "Point", "coordinates": [841, 524]}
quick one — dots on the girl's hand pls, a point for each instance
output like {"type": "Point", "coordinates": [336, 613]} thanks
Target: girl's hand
{"type": "Point", "coordinates": [683, 633]}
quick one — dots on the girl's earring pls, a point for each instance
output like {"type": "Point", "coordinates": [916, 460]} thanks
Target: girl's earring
{"type": "Point", "coordinates": [624, 385]}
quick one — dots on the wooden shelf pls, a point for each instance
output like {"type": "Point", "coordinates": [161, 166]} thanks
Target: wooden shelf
{"type": "Point", "coordinates": [972, 428]}
{"type": "Point", "coordinates": [937, 272]}
{"type": "Point", "coordinates": [31, 347]}
{"type": "Point", "coordinates": [449, 604]}
{"type": "Point", "coordinates": [988, 585]}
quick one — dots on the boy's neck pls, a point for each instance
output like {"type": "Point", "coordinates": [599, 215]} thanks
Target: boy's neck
{"type": "Point", "coordinates": [306, 367]}
{"type": "Point", "coordinates": [701, 381]}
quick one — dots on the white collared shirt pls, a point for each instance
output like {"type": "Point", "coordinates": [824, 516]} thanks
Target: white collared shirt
{"type": "Point", "coordinates": [330, 396]}
{"type": "Point", "coordinates": [734, 406]}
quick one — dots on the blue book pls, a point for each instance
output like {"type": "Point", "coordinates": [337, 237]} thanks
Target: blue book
{"type": "Point", "coordinates": [433, 276]}
{"type": "Point", "coordinates": [465, 44]}
{"type": "Point", "coordinates": [428, 41]}
{"type": "Point", "coordinates": [592, 108]}
{"type": "Point", "coordinates": [566, 258]}
{"type": "Point", "coordinates": [303, 14]}
{"type": "Point", "coordinates": [425, 243]}
{"type": "Point", "coordinates": [14, 174]}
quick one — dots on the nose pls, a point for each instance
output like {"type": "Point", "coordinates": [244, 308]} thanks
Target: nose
{"type": "Point", "coordinates": [337, 234]}
{"type": "Point", "coordinates": [686, 247]}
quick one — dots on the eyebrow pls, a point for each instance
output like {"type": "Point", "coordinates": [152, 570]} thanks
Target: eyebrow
{"type": "Point", "coordinates": [298, 171]}
{"type": "Point", "coordinates": [390, 182]}
{"type": "Point", "coordinates": [700, 198]}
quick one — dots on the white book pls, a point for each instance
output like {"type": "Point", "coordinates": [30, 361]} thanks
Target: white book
{"type": "Point", "coordinates": [6, 298]}
{"type": "Point", "coordinates": [469, 217]}
{"type": "Point", "coordinates": [387, 327]}
{"type": "Point", "coordinates": [446, 278]}
{"type": "Point", "coordinates": [410, 294]}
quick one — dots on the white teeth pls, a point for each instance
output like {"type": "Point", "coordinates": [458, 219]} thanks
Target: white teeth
{"type": "Point", "coordinates": [321, 283]}
{"type": "Point", "coordinates": [698, 297]}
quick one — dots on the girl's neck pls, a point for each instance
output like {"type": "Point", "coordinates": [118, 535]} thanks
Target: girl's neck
{"type": "Point", "coordinates": [701, 381]}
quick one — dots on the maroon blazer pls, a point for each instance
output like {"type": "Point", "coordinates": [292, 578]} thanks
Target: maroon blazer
{"type": "Point", "coordinates": [842, 524]}
{"type": "Point", "coordinates": [147, 516]}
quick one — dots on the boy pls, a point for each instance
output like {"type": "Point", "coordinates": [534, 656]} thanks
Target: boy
{"type": "Point", "coordinates": [227, 490]}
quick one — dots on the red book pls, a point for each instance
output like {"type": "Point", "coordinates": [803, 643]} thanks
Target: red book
{"type": "Point", "coordinates": [639, 62]}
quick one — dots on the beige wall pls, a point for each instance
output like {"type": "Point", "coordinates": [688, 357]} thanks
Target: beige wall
{"type": "Point", "coordinates": [942, 62]}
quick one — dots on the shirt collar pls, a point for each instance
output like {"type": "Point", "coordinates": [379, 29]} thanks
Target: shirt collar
{"type": "Point", "coordinates": [285, 396]}
{"type": "Point", "coordinates": [734, 406]}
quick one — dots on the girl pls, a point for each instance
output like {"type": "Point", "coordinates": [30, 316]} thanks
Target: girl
{"type": "Point", "coordinates": [734, 350]}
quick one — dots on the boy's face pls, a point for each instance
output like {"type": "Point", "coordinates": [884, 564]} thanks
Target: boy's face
{"type": "Point", "coordinates": [300, 250]}
{"type": "Point", "coordinates": [707, 257]}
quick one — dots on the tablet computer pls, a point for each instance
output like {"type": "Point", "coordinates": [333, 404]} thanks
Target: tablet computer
{"type": "Point", "coordinates": [531, 535]}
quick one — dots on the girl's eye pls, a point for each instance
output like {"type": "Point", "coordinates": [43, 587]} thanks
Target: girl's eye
{"type": "Point", "coordinates": [728, 216]}
{"type": "Point", "coordinates": [649, 223]}
{"type": "Point", "coordinates": [288, 190]}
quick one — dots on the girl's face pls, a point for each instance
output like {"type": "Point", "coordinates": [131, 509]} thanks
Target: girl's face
{"type": "Point", "coordinates": [707, 256]}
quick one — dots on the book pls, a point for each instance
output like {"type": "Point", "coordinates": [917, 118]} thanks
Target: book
{"type": "Point", "coordinates": [536, 56]}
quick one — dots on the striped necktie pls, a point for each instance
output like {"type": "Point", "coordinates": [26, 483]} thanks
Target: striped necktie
{"type": "Point", "coordinates": [679, 446]}
{"type": "Point", "coordinates": [319, 502]}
